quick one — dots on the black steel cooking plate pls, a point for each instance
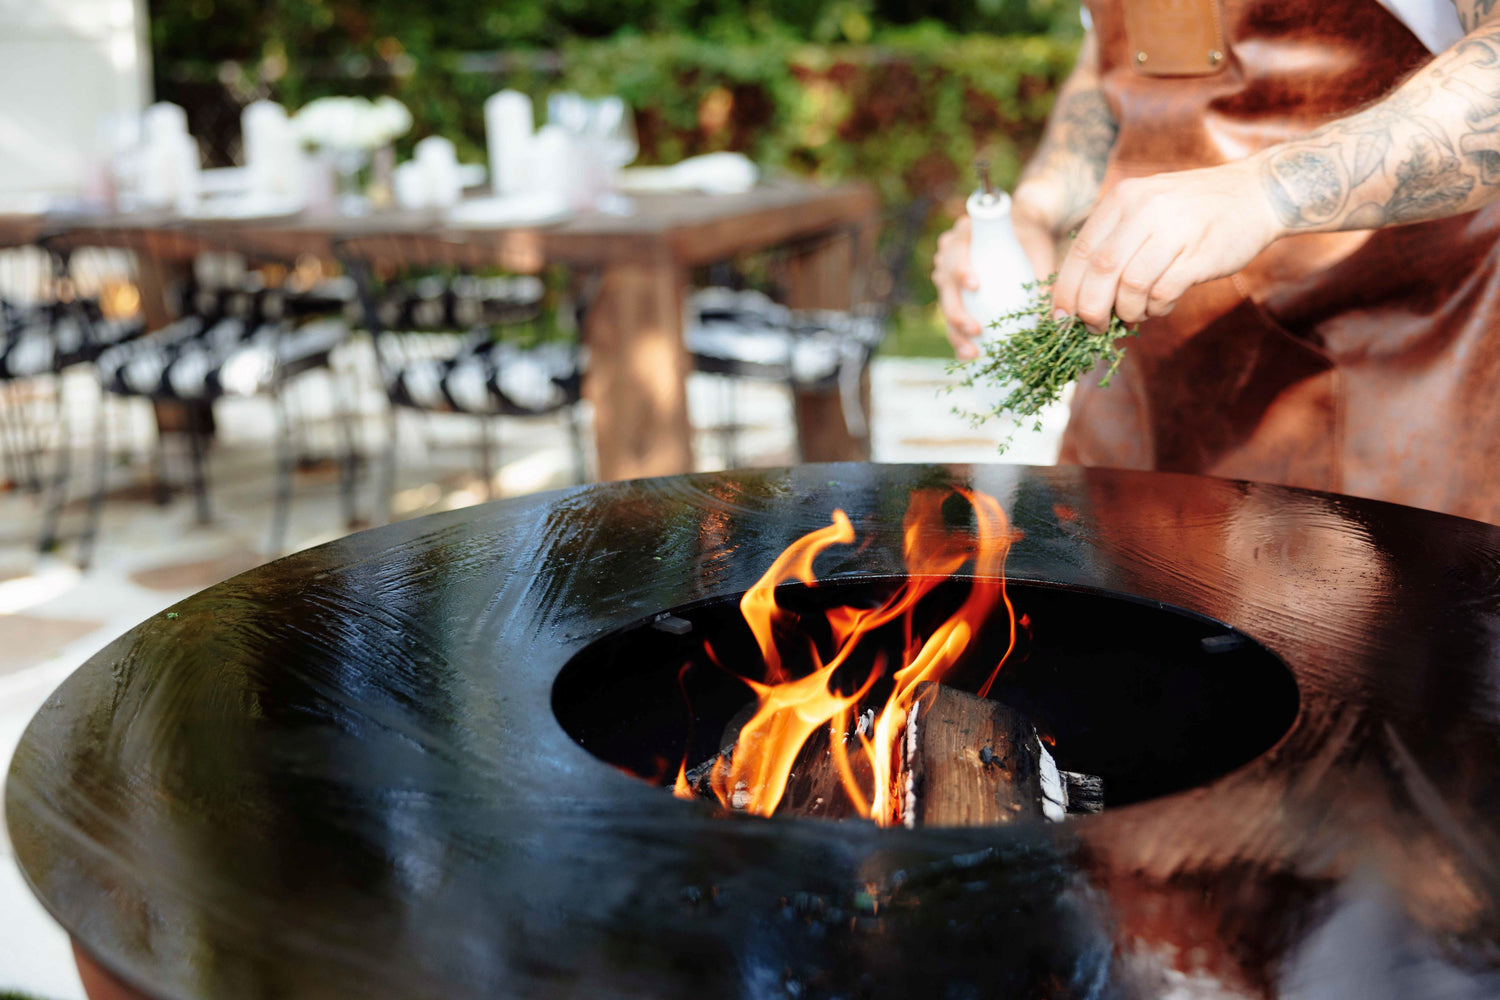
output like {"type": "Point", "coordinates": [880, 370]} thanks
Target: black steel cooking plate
{"type": "Point", "coordinates": [341, 774]}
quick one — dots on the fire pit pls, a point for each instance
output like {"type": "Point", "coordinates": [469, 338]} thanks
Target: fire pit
{"type": "Point", "coordinates": [1150, 699]}
{"type": "Point", "coordinates": [409, 763]}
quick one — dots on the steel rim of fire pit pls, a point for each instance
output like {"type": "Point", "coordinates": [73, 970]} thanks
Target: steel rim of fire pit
{"type": "Point", "coordinates": [340, 773]}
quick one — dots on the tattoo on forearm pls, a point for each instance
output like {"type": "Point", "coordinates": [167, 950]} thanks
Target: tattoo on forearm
{"type": "Point", "coordinates": [1430, 149]}
{"type": "Point", "coordinates": [1429, 183]}
{"type": "Point", "coordinates": [1089, 129]}
{"type": "Point", "coordinates": [1473, 13]}
{"type": "Point", "coordinates": [1306, 187]}
{"type": "Point", "coordinates": [1076, 151]}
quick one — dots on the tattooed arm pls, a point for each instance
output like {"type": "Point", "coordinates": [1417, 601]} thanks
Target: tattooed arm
{"type": "Point", "coordinates": [1055, 194]}
{"type": "Point", "coordinates": [1429, 149]}
{"type": "Point", "coordinates": [1474, 13]}
{"type": "Point", "coordinates": [1061, 183]}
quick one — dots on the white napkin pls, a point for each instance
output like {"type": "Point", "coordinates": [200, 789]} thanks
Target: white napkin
{"type": "Point", "coordinates": [713, 173]}
{"type": "Point", "coordinates": [510, 210]}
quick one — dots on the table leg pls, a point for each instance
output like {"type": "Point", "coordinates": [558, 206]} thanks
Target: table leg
{"type": "Point", "coordinates": [820, 276]}
{"type": "Point", "coordinates": [638, 369]}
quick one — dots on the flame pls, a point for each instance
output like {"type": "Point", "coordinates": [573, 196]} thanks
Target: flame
{"type": "Point", "coordinates": [789, 709]}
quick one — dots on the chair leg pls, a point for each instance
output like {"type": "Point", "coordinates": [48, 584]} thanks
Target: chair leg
{"type": "Point", "coordinates": [486, 457]}
{"type": "Point", "coordinates": [286, 461]}
{"type": "Point", "coordinates": [729, 431]}
{"type": "Point", "coordinates": [349, 460]}
{"type": "Point", "coordinates": [387, 482]}
{"type": "Point", "coordinates": [800, 455]}
{"type": "Point", "coordinates": [580, 455]}
{"type": "Point", "coordinates": [161, 491]}
{"type": "Point", "coordinates": [57, 488]}
{"type": "Point", "coordinates": [90, 537]}
{"type": "Point", "coordinates": [19, 425]}
{"type": "Point", "coordinates": [197, 452]}
{"type": "Point", "coordinates": [32, 438]}
{"type": "Point", "coordinates": [297, 426]}
{"type": "Point", "coordinates": [14, 471]}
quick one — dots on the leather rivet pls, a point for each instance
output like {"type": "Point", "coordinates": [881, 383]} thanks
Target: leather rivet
{"type": "Point", "coordinates": [1215, 57]}
{"type": "Point", "coordinates": [1140, 57]}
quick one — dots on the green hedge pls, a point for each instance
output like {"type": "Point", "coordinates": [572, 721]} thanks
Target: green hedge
{"type": "Point", "coordinates": [305, 30]}
{"type": "Point", "coordinates": [909, 114]}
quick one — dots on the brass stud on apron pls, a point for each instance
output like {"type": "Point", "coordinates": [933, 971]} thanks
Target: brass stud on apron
{"type": "Point", "coordinates": [1215, 57]}
{"type": "Point", "coordinates": [1140, 58]}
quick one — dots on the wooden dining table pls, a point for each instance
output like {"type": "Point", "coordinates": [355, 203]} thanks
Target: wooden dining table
{"type": "Point", "coordinates": [637, 267]}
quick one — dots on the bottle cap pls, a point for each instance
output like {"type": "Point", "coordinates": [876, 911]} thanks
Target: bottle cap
{"type": "Point", "coordinates": [984, 204]}
{"type": "Point", "coordinates": [987, 201]}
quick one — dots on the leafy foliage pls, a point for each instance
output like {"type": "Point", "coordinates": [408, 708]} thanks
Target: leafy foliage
{"type": "Point", "coordinates": [247, 30]}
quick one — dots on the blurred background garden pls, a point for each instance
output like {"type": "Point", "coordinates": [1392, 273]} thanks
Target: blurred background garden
{"type": "Point", "coordinates": [900, 93]}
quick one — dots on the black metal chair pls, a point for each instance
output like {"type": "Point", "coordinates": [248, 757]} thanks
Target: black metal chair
{"type": "Point", "coordinates": [740, 333]}
{"type": "Point", "coordinates": [477, 374]}
{"type": "Point", "coordinates": [39, 341]}
{"type": "Point", "coordinates": [239, 342]}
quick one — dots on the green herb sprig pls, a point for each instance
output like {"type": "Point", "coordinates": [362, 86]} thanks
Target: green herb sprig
{"type": "Point", "coordinates": [1038, 357]}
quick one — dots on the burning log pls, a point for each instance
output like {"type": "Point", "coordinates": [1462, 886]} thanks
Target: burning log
{"type": "Point", "coordinates": [814, 787]}
{"type": "Point", "coordinates": [974, 762]}
{"type": "Point", "coordinates": [965, 761]}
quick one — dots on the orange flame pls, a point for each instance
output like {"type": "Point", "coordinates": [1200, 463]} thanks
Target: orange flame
{"type": "Point", "coordinates": [791, 709]}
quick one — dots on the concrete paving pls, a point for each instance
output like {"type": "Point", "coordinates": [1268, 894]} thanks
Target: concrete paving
{"type": "Point", "coordinates": [149, 555]}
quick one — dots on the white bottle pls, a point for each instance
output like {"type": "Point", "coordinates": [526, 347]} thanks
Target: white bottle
{"type": "Point", "coordinates": [273, 157]}
{"type": "Point", "coordinates": [1004, 271]}
{"type": "Point", "coordinates": [996, 257]}
{"type": "Point", "coordinates": [438, 161]}
{"type": "Point", "coordinates": [508, 125]}
{"type": "Point", "coordinates": [169, 160]}
{"type": "Point", "coordinates": [556, 168]}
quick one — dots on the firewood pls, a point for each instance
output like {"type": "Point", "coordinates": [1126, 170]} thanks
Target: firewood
{"type": "Point", "coordinates": [964, 761]}
{"type": "Point", "coordinates": [969, 761]}
{"type": "Point", "coordinates": [814, 787]}
{"type": "Point", "coordinates": [1085, 792]}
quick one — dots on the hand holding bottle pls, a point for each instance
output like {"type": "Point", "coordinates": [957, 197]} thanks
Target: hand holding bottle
{"type": "Point", "coordinates": [957, 273]}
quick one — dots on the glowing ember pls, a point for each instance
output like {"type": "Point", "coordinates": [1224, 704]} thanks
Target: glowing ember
{"type": "Point", "coordinates": [791, 709]}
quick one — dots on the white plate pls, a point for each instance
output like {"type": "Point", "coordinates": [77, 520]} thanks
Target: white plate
{"type": "Point", "coordinates": [510, 210]}
{"type": "Point", "coordinates": [246, 207]}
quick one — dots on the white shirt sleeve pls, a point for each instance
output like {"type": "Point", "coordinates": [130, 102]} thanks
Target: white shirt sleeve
{"type": "Point", "coordinates": [1434, 22]}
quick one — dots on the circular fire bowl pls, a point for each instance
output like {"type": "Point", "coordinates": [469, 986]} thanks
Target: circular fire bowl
{"type": "Point", "coordinates": [1151, 699]}
{"type": "Point", "coordinates": [357, 771]}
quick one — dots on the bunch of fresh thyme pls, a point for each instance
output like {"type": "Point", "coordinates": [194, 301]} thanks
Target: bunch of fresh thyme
{"type": "Point", "coordinates": [1037, 356]}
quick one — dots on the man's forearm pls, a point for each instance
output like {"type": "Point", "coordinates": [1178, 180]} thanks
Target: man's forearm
{"type": "Point", "coordinates": [1429, 150]}
{"type": "Point", "coordinates": [1068, 168]}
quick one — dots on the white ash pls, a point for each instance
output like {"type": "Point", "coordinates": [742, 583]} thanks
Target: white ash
{"type": "Point", "coordinates": [741, 797]}
{"type": "Point", "coordinates": [1054, 792]}
{"type": "Point", "coordinates": [909, 813]}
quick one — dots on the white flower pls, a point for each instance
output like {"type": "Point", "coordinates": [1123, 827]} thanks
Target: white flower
{"type": "Point", "coordinates": [351, 122]}
{"type": "Point", "coordinates": [394, 118]}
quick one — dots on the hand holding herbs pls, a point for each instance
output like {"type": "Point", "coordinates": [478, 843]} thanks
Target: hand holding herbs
{"type": "Point", "coordinates": [1037, 356]}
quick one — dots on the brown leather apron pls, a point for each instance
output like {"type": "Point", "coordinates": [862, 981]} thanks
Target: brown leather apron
{"type": "Point", "coordinates": [1364, 363]}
